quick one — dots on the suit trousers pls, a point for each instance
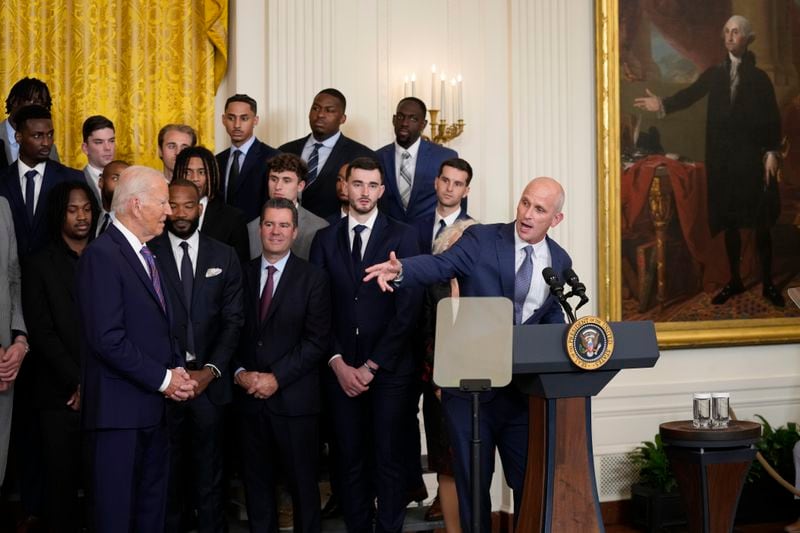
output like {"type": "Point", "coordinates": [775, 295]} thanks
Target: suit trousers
{"type": "Point", "coordinates": [63, 456]}
{"type": "Point", "coordinates": [195, 464]}
{"type": "Point", "coordinates": [370, 450]}
{"type": "Point", "coordinates": [269, 440]}
{"type": "Point", "coordinates": [6, 407]}
{"type": "Point", "coordinates": [504, 426]}
{"type": "Point", "coordinates": [129, 474]}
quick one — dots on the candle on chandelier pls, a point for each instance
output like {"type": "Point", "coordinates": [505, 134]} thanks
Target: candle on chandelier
{"type": "Point", "coordinates": [460, 98]}
{"type": "Point", "coordinates": [413, 84]}
{"type": "Point", "coordinates": [433, 86]}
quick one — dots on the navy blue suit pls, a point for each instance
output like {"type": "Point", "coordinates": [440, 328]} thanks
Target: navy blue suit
{"type": "Point", "coordinates": [251, 185]}
{"type": "Point", "coordinates": [369, 324]}
{"type": "Point", "coordinates": [423, 197]}
{"type": "Point", "coordinates": [33, 237]}
{"type": "Point", "coordinates": [128, 346]}
{"type": "Point", "coordinates": [196, 426]}
{"type": "Point", "coordinates": [483, 262]}
{"type": "Point", "coordinates": [319, 196]}
{"type": "Point", "coordinates": [284, 428]}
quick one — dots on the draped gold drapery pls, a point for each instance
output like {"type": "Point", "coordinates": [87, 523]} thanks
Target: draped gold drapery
{"type": "Point", "coordinates": [141, 63]}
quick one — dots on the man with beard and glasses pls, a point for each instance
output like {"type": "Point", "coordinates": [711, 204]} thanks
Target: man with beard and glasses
{"type": "Point", "coordinates": [204, 283]}
{"type": "Point", "coordinates": [48, 294]}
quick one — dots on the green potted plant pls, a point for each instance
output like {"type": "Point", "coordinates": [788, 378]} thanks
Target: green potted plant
{"type": "Point", "coordinates": [655, 501]}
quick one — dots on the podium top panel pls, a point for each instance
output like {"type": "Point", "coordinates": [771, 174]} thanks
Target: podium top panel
{"type": "Point", "coordinates": [541, 348]}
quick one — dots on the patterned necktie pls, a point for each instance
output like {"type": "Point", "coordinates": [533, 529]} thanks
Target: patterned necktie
{"type": "Point", "coordinates": [522, 284]}
{"type": "Point", "coordinates": [30, 193]}
{"type": "Point", "coordinates": [233, 177]}
{"type": "Point", "coordinates": [404, 181]}
{"type": "Point", "coordinates": [313, 163]}
{"type": "Point", "coordinates": [106, 222]}
{"type": "Point", "coordinates": [266, 294]}
{"type": "Point", "coordinates": [356, 251]}
{"type": "Point", "coordinates": [734, 73]}
{"type": "Point", "coordinates": [155, 278]}
{"type": "Point", "coordinates": [439, 231]}
{"type": "Point", "coordinates": [187, 280]}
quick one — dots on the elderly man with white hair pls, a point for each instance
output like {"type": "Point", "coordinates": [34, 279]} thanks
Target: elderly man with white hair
{"type": "Point", "coordinates": [743, 135]}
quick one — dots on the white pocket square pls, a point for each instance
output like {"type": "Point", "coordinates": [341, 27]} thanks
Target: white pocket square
{"type": "Point", "coordinates": [211, 272]}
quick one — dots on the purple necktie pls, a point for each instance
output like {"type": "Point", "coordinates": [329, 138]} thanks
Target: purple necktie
{"type": "Point", "coordinates": [522, 284]}
{"type": "Point", "coordinates": [150, 259]}
{"type": "Point", "coordinates": [266, 294]}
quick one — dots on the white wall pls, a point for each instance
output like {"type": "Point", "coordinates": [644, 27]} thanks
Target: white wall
{"type": "Point", "coordinates": [528, 69]}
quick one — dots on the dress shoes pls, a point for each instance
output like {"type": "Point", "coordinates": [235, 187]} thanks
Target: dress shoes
{"type": "Point", "coordinates": [731, 289]}
{"type": "Point", "coordinates": [434, 512]}
{"type": "Point", "coordinates": [771, 293]}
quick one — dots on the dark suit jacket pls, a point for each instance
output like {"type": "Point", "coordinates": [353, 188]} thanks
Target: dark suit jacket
{"type": "Point", "coordinates": [292, 340]}
{"type": "Point", "coordinates": [319, 197]}
{"type": "Point", "coordinates": [424, 227]}
{"type": "Point", "coordinates": [228, 225]}
{"type": "Point", "coordinates": [251, 188]}
{"type": "Point", "coordinates": [3, 158]}
{"type": "Point", "coordinates": [48, 298]}
{"type": "Point", "coordinates": [383, 321]}
{"type": "Point", "coordinates": [33, 237]}
{"type": "Point", "coordinates": [217, 312]}
{"type": "Point", "coordinates": [128, 344]}
{"type": "Point", "coordinates": [423, 197]}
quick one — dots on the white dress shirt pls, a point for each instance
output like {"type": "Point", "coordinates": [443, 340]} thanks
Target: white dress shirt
{"type": "Point", "coordinates": [412, 150]}
{"type": "Point", "coordinates": [37, 181]}
{"type": "Point", "coordinates": [244, 148]}
{"type": "Point", "coordinates": [448, 221]}
{"type": "Point", "coordinates": [538, 291]}
{"type": "Point", "coordinates": [352, 223]}
{"type": "Point", "coordinates": [324, 151]}
{"type": "Point", "coordinates": [204, 203]}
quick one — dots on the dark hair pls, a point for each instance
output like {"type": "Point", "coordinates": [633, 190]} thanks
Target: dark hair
{"type": "Point", "coordinates": [242, 98]}
{"type": "Point", "coordinates": [184, 128]}
{"type": "Point", "coordinates": [279, 203]}
{"type": "Point", "coordinates": [288, 163]}
{"type": "Point", "coordinates": [458, 164]}
{"type": "Point", "coordinates": [364, 163]}
{"type": "Point", "coordinates": [27, 90]}
{"type": "Point", "coordinates": [336, 93]}
{"type": "Point", "coordinates": [94, 123]}
{"type": "Point", "coordinates": [209, 161]}
{"type": "Point", "coordinates": [57, 201]}
{"type": "Point", "coordinates": [180, 182]}
{"type": "Point", "coordinates": [29, 112]}
{"type": "Point", "coordinates": [417, 101]}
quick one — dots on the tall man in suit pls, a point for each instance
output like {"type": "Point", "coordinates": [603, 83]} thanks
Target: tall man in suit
{"type": "Point", "coordinates": [130, 362]}
{"type": "Point", "coordinates": [27, 91]}
{"type": "Point", "coordinates": [100, 147]}
{"type": "Point", "coordinates": [325, 150]}
{"type": "Point", "coordinates": [48, 294]}
{"type": "Point", "coordinates": [494, 260]}
{"type": "Point", "coordinates": [368, 383]}
{"type": "Point", "coordinates": [172, 140]}
{"type": "Point", "coordinates": [452, 187]}
{"type": "Point", "coordinates": [218, 220]}
{"type": "Point", "coordinates": [286, 335]}
{"type": "Point", "coordinates": [286, 179]}
{"type": "Point", "coordinates": [204, 282]}
{"type": "Point", "coordinates": [411, 164]}
{"type": "Point", "coordinates": [243, 165]}
{"type": "Point", "coordinates": [26, 183]}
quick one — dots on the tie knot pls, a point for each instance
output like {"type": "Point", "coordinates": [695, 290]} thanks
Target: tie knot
{"type": "Point", "coordinates": [237, 153]}
{"type": "Point", "coordinates": [146, 253]}
{"type": "Point", "coordinates": [185, 246]}
{"type": "Point", "coordinates": [406, 155]}
{"type": "Point", "coordinates": [271, 270]}
{"type": "Point", "coordinates": [358, 228]}
{"type": "Point", "coordinates": [528, 251]}
{"type": "Point", "coordinates": [31, 174]}
{"type": "Point", "coordinates": [442, 223]}
{"type": "Point", "coordinates": [317, 146]}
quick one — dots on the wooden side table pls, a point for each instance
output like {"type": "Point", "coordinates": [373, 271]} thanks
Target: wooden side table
{"type": "Point", "coordinates": [710, 466]}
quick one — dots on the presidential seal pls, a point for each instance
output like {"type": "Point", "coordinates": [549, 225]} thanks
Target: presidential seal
{"type": "Point", "coordinates": [590, 342]}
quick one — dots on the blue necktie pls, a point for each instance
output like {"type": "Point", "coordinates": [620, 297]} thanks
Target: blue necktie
{"type": "Point", "coordinates": [313, 163]}
{"type": "Point", "coordinates": [439, 231]}
{"type": "Point", "coordinates": [155, 278]}
{"type": "Point", "coordinates": [356, 252]}
{"type": "Point", "coordinates": [522, 284]}
{"type": "Point", "coordinates": [30, 193]}
{"type": "Point", "coordinates": [187, 280]}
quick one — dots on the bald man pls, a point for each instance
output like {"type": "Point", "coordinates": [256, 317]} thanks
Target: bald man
{"type": "Point", "coordinates": [494, 260]}
{"type": "Point", "coordinates": [131, 364]}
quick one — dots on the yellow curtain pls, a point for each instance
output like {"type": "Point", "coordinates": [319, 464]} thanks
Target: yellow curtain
{"type": "Point", "coordinates": [141, 63]}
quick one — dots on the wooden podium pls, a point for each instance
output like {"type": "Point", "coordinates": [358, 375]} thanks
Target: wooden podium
{"type": "Point", "coordinates": [560, 492]}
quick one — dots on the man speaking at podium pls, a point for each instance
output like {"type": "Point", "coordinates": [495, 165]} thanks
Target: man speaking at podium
{"type": "Point", "coordinates": [494, 260]}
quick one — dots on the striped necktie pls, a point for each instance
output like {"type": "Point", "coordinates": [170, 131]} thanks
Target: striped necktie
{"type": "Point", "coordinates": [313, 163]}
{"type": "Point", "coordinates": [404, 183]}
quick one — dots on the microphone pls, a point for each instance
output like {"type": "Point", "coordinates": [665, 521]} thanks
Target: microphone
{"type": "Point", "coordinates": [557, 290]}
{"type": "Point", "coordinates": [578, 288]}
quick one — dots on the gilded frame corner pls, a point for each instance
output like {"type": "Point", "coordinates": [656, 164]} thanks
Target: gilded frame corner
{"type": "Point", "coordinates": [670, 334]}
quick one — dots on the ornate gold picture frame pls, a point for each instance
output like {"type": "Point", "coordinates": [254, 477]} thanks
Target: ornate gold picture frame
{"type": "Point", "coordinates": [671, 334]}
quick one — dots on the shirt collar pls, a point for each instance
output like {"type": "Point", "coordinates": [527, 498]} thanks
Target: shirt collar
{"type": "Point", "coordinates": [413, 150]}
{"type": "Point", "coordinates": [193, 240]}
{"type": "Point", "coordinates": [519, 244]}
{"type": "Point", "coordinates": [449, 219]}
{"type": "Point", "coordinates": [245, 147]}
{"type": "Point", "coordinates": [330, 142]}
{"type": "Point", "coordinates": [279, 265]}
{"type": "Point", "coordinates": [95, 173]}
{"type": "Point", "coordinates": [132, 239]}
{"type": "Point", "coordinates": [352, 222]}
{"type": "Point", "coordinates": [23, 168]}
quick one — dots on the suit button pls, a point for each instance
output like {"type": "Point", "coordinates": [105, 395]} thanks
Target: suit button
{"type": "Point", "coordinates": [355, 299]}
{"type": "Point", "coordinates": [259, 344]}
